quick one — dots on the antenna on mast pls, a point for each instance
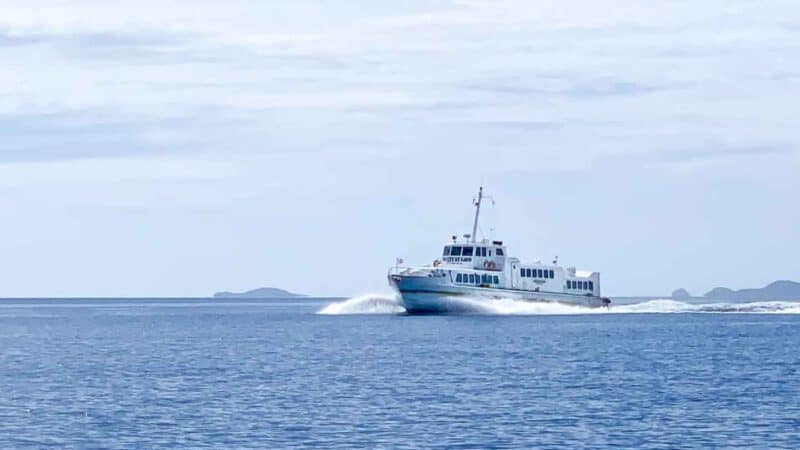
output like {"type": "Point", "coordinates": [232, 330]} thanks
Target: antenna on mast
{"type": "Point", "coordinates": [477, 204]}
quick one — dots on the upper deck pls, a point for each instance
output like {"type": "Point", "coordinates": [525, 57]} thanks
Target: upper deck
{"type": "Point", "coordinates": [477, 255]}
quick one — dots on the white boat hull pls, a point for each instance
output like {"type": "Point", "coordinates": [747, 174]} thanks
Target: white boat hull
{"type": "Point", "coordinates": [432, 295]}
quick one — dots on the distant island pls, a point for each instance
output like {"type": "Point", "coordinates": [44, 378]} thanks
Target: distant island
{"type": "Point", "coordinates": [265, 292]}
{"type": "Point", "coordinates": [681, 294]}
{"type": "Point", "coordinates": [778, 290]}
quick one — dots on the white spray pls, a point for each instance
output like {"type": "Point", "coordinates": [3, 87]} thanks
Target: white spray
{"type": "Point", "coordinates": [391, 304]}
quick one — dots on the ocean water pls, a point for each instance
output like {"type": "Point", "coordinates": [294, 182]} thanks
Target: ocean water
{"type": "Point", "coordinates": [358, 373]}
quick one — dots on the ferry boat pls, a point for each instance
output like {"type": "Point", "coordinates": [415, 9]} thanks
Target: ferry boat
{"type": "Point", "coordinates": [482, 271]}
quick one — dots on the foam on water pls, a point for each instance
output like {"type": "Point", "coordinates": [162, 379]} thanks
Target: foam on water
{"type": "Point", "coordinates": [391, 304]}
{"type": "Point", "coordinates": [366, 304]}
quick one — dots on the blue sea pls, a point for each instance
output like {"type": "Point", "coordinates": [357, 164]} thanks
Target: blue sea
{"type": "Point", "coordinates": [358, 373]}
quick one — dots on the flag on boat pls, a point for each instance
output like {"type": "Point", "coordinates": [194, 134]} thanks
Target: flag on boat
{"type": "Point", "coordinates": [398, 261]}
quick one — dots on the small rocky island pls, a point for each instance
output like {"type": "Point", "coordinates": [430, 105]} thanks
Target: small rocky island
{"type": "Point", "coordinates": [265, 292]}
{"type": "Point", "coordinates": [681, 294]}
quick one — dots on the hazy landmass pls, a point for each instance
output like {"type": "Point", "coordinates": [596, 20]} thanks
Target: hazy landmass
{"type": "Point", "coordinates": [778, 290]}
{"type": "Point", "coordinates": [681, 294]}
{"type": "Point", "coordinates": [265, 292]}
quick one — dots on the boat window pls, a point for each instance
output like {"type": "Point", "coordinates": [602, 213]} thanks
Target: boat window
{"type": "Point", "coordinates": [490, 252]}
{"type": "Point", "coordinates": [446, 251]}
{"type": "Point", "coordinates": [498, 251]}
{"type": "Point", "coordinates": [483, 251]}
{"type": "Point", "coordinates": [528, 273]}
{"type": "Point", "coordinates": [455, 251]}
{"type": "Point", "coordinates": [521, 272]}
{"type": "Point", "coordinates": [582, 284]}
{"type": "Point", "coordinates": [552, 275]}
{"type": "Point", "coordinates": [496, 279]}
{"type": "Point", "coordinates": [591, 286]}
{"type": "Point", "coordinates": [458, 278]}
{"type": "Point", "coordinates": [570, 284]}
{"type": "Point", "coordinates": [472, 279]}
{"type": "Point", "coordinates": [466, 251]}
{"type": "Point", "coordinates": [539, 271]}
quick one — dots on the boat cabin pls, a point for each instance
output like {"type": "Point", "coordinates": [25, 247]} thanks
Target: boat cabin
{"type": "Point", "coordinates": [484, 255]}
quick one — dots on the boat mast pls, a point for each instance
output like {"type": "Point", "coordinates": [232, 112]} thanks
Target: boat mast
{"type": "Point", "coordinates": [477, 213]}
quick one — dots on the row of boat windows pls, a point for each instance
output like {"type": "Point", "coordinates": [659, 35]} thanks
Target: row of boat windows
{"type": "Point", "coordinates": [536, 273]}
{"type": "Point", "coordinates": [585, 285]}
{"type": "Point", "coordinates": [472, 278]}
{"type": "Point", "coordinates": [457, 250]}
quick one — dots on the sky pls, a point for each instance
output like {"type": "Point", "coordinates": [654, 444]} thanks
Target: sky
{"type": "Point", "coordinates": [181, 148]}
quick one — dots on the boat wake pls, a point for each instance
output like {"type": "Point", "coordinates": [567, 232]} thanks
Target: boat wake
{"type": "Point", "coordinates": [366, 304]}
{"type": "Point", "coordinates": [391, 304]}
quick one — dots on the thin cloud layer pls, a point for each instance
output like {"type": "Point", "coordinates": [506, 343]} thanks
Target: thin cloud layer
{"type": "Point", "coordinates": [567, 109]}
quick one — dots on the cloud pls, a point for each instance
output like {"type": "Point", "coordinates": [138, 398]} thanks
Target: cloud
{"type": "Point", "coordinates": [720, 152]}
{"type": "Point", "coordinates": [111, 170]}
{"type": "Point", "coordinates": [274, 111]}
{"type": "Point", "coordinates": [710, 152]}
{"type": "Point", "coordinates": [570, 86]}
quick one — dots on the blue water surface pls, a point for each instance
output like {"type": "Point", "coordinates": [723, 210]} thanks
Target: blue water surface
{"type": "Point", "coordinates": [200, 373]}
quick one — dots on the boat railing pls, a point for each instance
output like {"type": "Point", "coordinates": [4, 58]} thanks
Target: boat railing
{"type": "Point", "coordinates": [414, 271]}
{"type": "Point", "coordinates": [396, 270]}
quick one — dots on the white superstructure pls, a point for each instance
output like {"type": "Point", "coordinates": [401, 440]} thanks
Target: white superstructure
{"type": "Point", "coordinates": [483, 271]}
